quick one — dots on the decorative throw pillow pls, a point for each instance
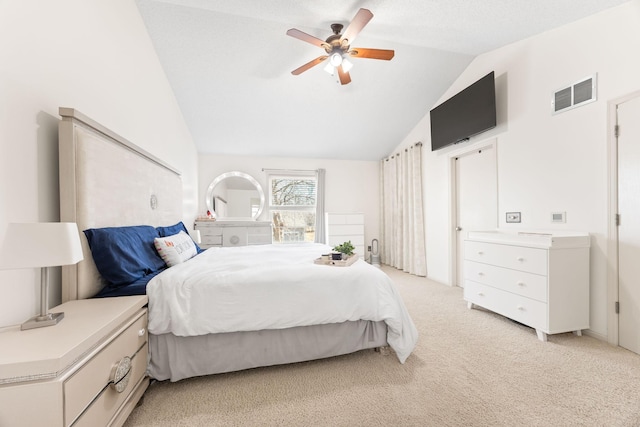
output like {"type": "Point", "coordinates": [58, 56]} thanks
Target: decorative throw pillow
{"type": "Point", "coordinates": [175, 249]}
{"type": "Point", "coordinates": [170, 230]}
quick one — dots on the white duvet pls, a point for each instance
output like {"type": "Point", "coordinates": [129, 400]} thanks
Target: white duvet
{"type": "Point", "coordinates": [252, 288]}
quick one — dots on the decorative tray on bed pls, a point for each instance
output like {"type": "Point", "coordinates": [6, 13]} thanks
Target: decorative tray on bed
{"type": "Point", "coordinates": [337, 263]}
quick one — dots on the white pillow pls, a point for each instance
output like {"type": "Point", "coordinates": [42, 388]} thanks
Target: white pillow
{"type": "Point", "coordinates": [176, 248]}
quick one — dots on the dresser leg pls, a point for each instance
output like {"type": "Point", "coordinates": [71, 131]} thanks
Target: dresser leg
{"type": "Point", "coordinates": [578, 332]}
{"type": "Point", "coordinates": [541, 335]}
{"type": "Point", "coordinates": [469, 305]}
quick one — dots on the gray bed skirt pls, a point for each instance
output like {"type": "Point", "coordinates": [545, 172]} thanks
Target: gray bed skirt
{"type": "Point", "coordinates": [175, 358]}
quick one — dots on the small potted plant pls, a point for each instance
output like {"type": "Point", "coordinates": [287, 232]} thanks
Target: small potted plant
{"type": "Point", "coordinates": [346, 249]}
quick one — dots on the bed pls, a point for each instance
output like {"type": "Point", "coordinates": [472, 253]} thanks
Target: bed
{"type": "Point", "coordinates": [213, 311]}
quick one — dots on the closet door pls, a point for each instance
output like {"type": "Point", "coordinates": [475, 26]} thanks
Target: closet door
{"type": "Point", "coordinates": [629, 228]}
{"type": "Point", "coordinates": [476, 198]}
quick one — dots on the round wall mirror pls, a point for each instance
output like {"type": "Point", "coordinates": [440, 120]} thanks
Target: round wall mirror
{"type": "Point", "coordinates": [235, 195]}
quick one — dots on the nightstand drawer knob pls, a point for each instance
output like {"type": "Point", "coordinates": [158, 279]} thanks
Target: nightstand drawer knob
{"type": "Point", "coordinates": [141, 332]}
{"type": "Point", "coordinates": [521, 308]}
{"type": "Point", "coordinates": [520, 259]}
{"type": "Point", "coordinates": [120, 374]}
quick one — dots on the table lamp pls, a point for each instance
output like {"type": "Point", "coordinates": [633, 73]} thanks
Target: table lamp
{"type": "Point", "coordinates": [43, 245]}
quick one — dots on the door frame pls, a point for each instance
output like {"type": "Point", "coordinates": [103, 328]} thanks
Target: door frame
{"type": "Point", "coordinates": [453, 199]}
{"type": "Point", "coordinates": [612, 238]}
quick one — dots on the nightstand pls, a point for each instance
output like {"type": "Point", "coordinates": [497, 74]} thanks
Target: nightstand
{"type": "Point", "coordinates": [64, 374]}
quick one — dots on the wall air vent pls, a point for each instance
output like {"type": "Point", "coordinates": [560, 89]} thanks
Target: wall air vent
{"type": "Point", "coordinates": [579, 93]}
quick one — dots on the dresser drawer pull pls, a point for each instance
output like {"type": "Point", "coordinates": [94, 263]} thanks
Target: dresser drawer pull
{"type": "Point", "coordinates": [520, 259]}
{"type": "Point", "coordinates": [480, 253]}
{"type": "Point", "coordinates": [480, 294]}
{"type": "Point", "coordinates": [120, 374]}
{"type": "Point", "coordinates": [521, 284]}
{"type": "Point", "coordinates": [480, 273]}
{"type": "Point", "coordinates": [521, 308]}
{"type": "Point", "coordinates": [141, 332]}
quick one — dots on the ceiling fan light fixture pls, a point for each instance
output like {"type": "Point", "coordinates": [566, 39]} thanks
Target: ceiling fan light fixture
{"type": "Point", "coordinates": [346, 65]}
{"type": "Point", "coordinates": [329, 68]}
{"type": "Point", "coordinates": [335, 59]}
{"type": "Point", "coordinates": [337, 48]}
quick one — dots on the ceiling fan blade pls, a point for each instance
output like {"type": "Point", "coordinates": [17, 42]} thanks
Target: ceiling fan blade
{"type": "Point", "coordinates": [308, 65]}
{"type": "Point", "coordinates": [345, 78]}
{"type": "Point", "coordinates": [307, 38]}
{"type": "Point", "coordinates": [362, 52]}
{"type": "Point", "coordinates": [358, 22]}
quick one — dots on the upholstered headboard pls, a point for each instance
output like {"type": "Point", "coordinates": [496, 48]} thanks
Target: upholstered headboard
{"type": "Point", "coordinates": [107, 181]}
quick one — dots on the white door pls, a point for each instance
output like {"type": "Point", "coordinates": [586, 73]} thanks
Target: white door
{"type": "Point", "coordinates": [476, 198]}
{"type": "Point", "coordinates": [629, 229]}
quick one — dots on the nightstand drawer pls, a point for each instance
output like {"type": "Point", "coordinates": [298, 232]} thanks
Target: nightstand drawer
{"type": "Point", "coordinates": [105, 405]}
{"type": "Point", "coordinates": [89, 381]}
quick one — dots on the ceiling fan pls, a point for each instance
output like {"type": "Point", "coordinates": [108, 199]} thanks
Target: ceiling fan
{"type": "Point", "coordinates": [338, 47]}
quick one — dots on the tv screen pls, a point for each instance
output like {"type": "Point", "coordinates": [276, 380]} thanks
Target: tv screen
{"type": "Point", "coordinates": [471, 111]}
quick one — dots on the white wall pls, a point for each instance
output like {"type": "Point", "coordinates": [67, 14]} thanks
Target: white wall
{"type": "Point", "coordinates": [545, 162]}
{"type": "Point", "coordinates": [351, 186]}
{"type": "Point", "coordinates": [94, 56]}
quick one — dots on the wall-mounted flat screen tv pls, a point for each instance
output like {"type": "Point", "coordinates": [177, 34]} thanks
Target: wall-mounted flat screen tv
{"type": "Point", "coordinates": [468, 113]}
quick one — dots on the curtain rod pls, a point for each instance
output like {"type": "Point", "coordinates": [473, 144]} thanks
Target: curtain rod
{"type": "Point", "coordinates": [417, 144]}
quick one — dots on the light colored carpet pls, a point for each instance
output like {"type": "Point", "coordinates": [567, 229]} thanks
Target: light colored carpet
{"type": "Point", "coordinates": [470, 368]}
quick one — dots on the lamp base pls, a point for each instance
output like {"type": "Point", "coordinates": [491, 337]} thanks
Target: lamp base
{"type": "Point", "coordinates": [48, 319]}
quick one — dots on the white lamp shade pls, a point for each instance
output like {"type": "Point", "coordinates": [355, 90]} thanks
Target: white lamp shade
{"type": "Point", "coordinates": [43, 244]}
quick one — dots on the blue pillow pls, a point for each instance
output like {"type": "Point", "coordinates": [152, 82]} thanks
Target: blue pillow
{"type": "Point", "coordinates": [170, 230]}
{"type": "Point", "coordinates": [124, 254]}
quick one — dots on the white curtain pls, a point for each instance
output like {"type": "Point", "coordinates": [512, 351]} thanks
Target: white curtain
{"type": "Point", "coordinates": [402, 218]}
{"type": "Point", "coordinates": [320, 236]}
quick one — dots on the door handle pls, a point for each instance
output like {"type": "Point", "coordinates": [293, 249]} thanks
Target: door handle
{"type": "Point", "coordinates": [458, 228]}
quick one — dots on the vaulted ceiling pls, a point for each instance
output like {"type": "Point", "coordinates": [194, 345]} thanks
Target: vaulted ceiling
{"type": "Point", "coordinates": [229, 64]}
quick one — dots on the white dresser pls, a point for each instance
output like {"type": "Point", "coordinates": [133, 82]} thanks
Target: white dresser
{"type": "Point", "coordinates": [344, 227]}
{"type": "Point", "coordinates": [233, 233]}
{"type": "Point", "coordinates": [538, 279]}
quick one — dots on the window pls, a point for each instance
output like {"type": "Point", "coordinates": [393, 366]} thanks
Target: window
{"type": "Point", "coordinates": [292, 205]}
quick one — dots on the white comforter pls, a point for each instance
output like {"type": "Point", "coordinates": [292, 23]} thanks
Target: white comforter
{"type": "Point", "coordinates": [252, 288]}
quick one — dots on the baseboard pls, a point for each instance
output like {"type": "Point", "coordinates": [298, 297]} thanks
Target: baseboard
{"type": "Point", "coordinates": [596, 335]}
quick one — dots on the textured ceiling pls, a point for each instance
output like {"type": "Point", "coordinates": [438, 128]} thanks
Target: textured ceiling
{"type": "Point", "coordinates": [229, 64]}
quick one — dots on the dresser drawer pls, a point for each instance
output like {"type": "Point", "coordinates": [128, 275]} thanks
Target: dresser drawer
{"type": "Point", "coordinates": [90, 380]}
{"type": "Point", "coordinates": [521, 309]}
{"type": "Point", "coordinates": [532, 260]}
{"type": "Point", "coordinates": [211, 240]}
{"type": "Point", "coordinates": [259, 236]}
{"type": "Point", "coordinates": [517, 282]}
{"type": "Point", "coordinates": [234, 236]}
{"type": "Point", "coordinates": [210, 231]}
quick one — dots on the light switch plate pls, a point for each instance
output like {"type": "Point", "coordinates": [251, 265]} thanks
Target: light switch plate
{"type": "Point", "coordinates": [558, 217]}
{"type": "Point", "coordinates": [513, 216]}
